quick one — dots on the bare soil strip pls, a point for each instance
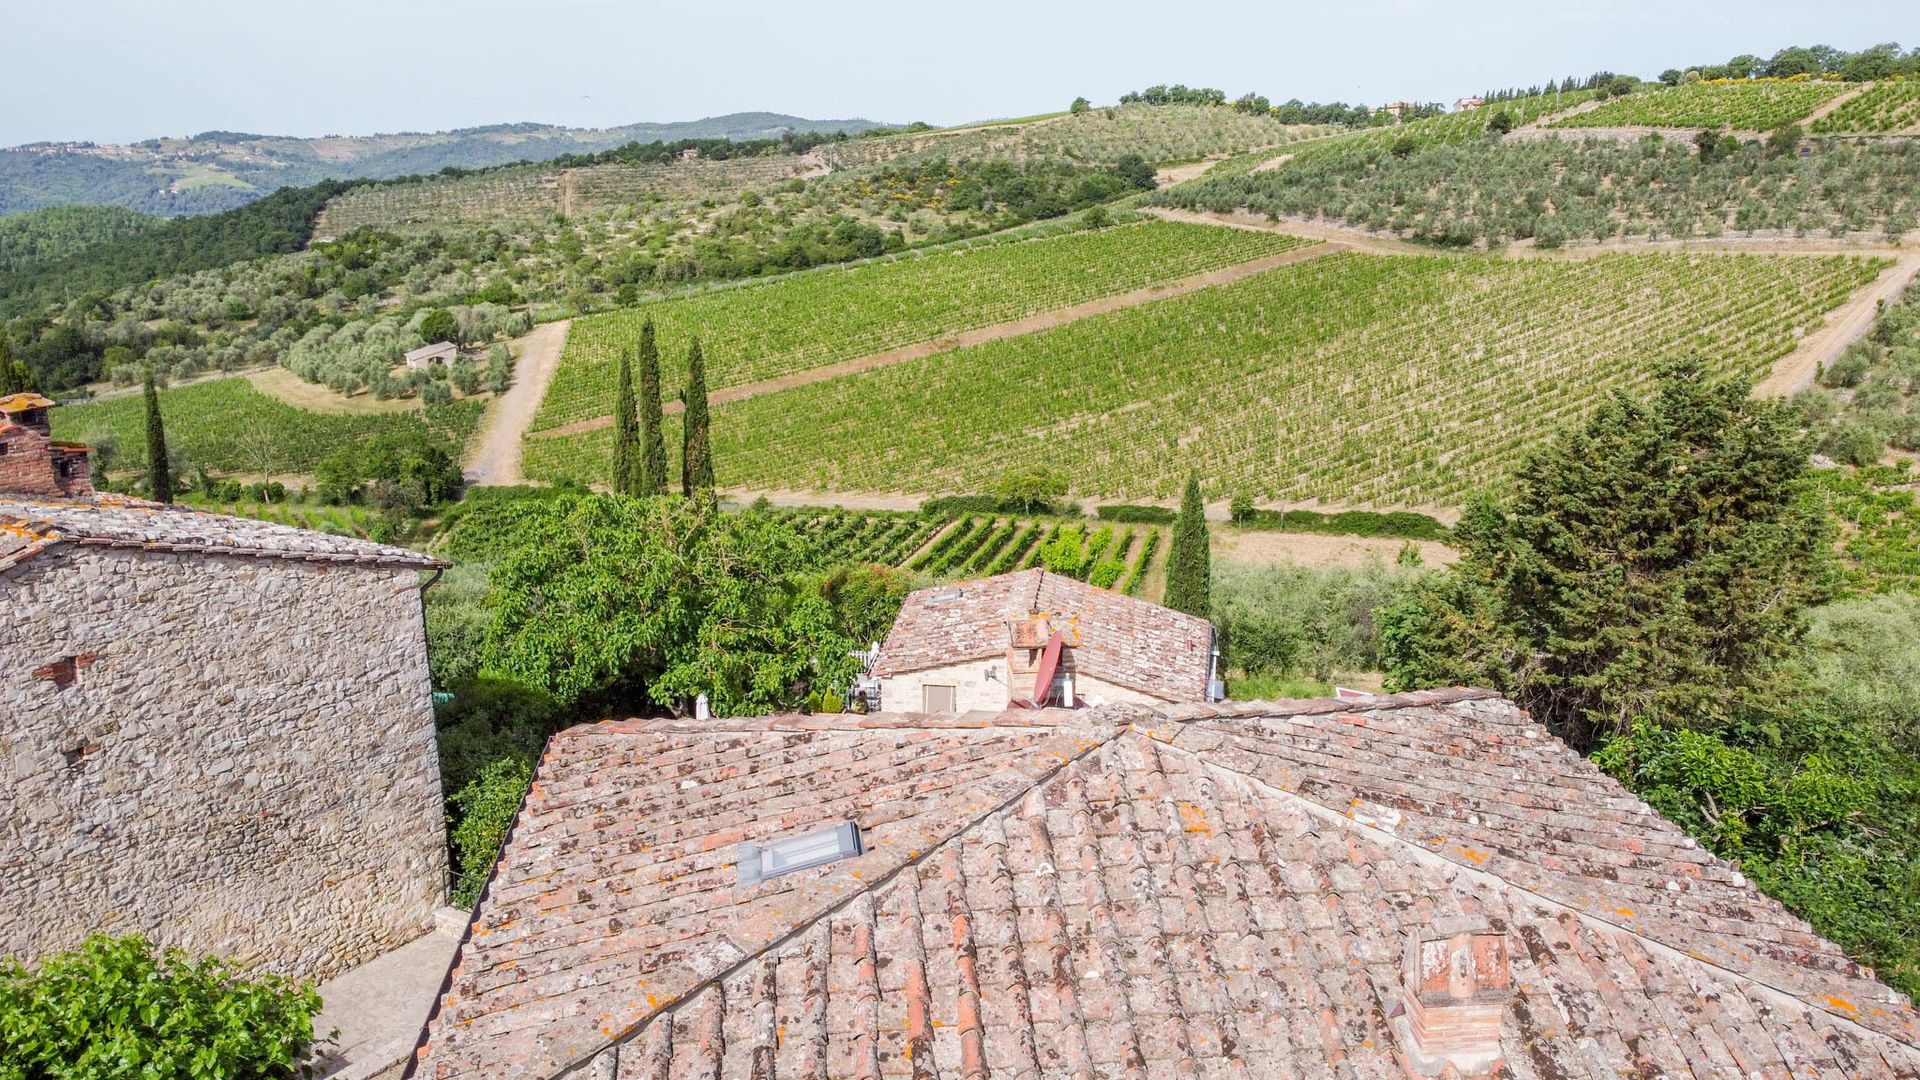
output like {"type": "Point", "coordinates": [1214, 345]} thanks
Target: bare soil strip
{"type": "Point", "coordinates": [1017, 328]}
{"type": "Point", "coordinates": [1826, 110]}
{"type": "Point", "coordinates": [1845, 325]}
{"type": "Point", "coordinates": [278, 382]}
{"type": "Point", "coordinates": [495, 455]}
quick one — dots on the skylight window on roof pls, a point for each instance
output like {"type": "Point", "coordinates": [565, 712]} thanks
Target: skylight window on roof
{"type": "Point", "coordinates": [760, 862]}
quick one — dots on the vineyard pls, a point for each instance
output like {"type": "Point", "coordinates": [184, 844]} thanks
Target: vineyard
{"type": "Point", "coordinates": [1350, 379]}
{"type": "Point", "coordinates": [1757, 105]}
{"type": "Point", "coordinates": [228, 427]}
{"type": "Point", "coordinates": [1101, 136]}
{"type": "Point", "coordinates": [1453, 129]}
{"type": "Point", "coordinates": [807, 320]}
{"type": "Point", "coordinates": [1108, 555]}
{"type": "Point", "coordinates": [1562, 190]}
{"type": "Point", "coordinates": [1889, 106]}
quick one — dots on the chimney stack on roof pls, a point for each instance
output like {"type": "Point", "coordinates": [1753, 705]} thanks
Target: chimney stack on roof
{"type": "Point", "coordinates": [31, 462]}
{"type": "Point", "coordinates": [1457, 985]}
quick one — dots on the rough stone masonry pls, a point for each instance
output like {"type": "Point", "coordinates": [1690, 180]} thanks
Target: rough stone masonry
{"type": "Point", "coordinates": [229, 753]}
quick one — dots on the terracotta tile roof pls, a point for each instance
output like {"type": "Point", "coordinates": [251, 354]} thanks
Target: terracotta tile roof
{"type": "Point", "coordinates": [115, 521]}
{"type": "Point", "coordinates": [1124, 640]}
{"type": "Point", "coordinates": [1222, 892]}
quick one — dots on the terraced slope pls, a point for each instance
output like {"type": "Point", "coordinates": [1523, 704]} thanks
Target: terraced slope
{"type": "Point", "coordinates": [804, 321]}
{"type": "Point", "coordinates": [1760, 105]}
{"type": "Point", "coordinates": [1353, 379]}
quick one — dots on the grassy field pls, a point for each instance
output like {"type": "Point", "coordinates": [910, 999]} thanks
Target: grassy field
{"type": "Point", "coordinates": [226, 426]}
{"type": "Point", "coordinates": [1349, 379]}
{"type": "Point", "coordinates": [809, 320]}
{"type": "Point", "coordinates": [1743, 106]}
{"type": "Point", "coordinates": [355, 521]}
{"type": "Point", "coordinates": [1885, 107]}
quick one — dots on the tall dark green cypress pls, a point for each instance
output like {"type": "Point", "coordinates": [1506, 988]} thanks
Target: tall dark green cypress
{"type": "Point", "coordinates": [696, 450]}
{"type": "Point", "coordinates": [159, 472]}
{"type": "Point", "coordinates": [1189, 562]}
{"type": "Point", "coordinates": [626, 433]}
{"type": "Point", "coordinates": [653, 441]}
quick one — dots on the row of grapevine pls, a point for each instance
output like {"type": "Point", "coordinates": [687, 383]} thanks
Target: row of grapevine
{"type": "Point", "coordinates": [1887, 106]}
{"type": "Point", "coordinates": [1743, 105]}
{"type": "Point", "coordinates": [1131, 586]}
{"type": "Point", "coordinates": [228, 427]}
{"type": "Point", "coordinates": [808, 320]}
{"type": "Point", "coordinates": [1353, 379]}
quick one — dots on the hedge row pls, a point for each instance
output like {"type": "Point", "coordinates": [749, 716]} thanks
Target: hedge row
{"type": "Point", "coordinates": [1138, 515]}
{"type": "Point", "coordinates": [1400, 524]}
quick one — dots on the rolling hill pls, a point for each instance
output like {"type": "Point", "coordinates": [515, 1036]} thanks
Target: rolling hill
{"type": "Point", "coordinates": [219, 170]}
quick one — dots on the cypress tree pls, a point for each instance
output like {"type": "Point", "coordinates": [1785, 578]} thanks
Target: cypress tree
{"type": "Point", "coordinates": [696, 457]}
{"type": "Point", "coordinates": [626, 433]}
{"type": "Point", "coordinates": [1189, 562]}
{"type": "Point", "coordinates": [159, 473]}
{"type": "Point", "coordinates": [653, 443]}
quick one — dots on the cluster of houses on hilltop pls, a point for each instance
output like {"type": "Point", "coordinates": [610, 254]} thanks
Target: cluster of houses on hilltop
{"type": "Point", "coordinates": [1050, 853]}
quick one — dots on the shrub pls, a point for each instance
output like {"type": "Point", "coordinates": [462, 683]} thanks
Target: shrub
{"type": "Point", "coordinates": [484, 810]}
{"type": "Point", "coordinates": [1105, 573]}
{"type": "Point", "coordinates": [1140, 515]}
{"type": "Point", "coordinates": [117, 1007]}
{"type": "Point", "coordinates": [1403, 524]}
{"type": "Point", "coordinates": [1241, 509]}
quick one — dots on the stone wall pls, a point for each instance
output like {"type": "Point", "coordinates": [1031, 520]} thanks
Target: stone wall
{"type": "Point", "coordinates": [233, 755]}
{"type": "Point", "coordinates": [973, 690]}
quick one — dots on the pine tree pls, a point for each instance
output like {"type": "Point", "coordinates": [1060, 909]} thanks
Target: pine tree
{"type": "Point", "coordinates": [1189, 562]}
{"type": "Point", "coordinates": [159, 472]}
{"type": "Point", "coordinates": [626, 433]}
{"type": "Point", "coordinates": [696, 457]}
{"type": "Point", "coordinates": [653, 443]}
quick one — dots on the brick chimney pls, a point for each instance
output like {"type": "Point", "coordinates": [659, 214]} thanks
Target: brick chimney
{"type": "Point", "coordinates": [31, 463]}
{"type": "Point", "coordinates": [1457, 983]}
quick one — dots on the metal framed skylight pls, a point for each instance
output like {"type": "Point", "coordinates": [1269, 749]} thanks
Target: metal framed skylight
{"type": "Point", "coordinates": [759, 862]}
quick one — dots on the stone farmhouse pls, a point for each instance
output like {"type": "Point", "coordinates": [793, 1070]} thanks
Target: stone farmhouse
{"type": "Point", "coordinates": [1426, 884]}
{"type": "Point", "coordinates": [215, 732]}
{"type": "Point", "coordinates": [1039, 637]}
{"type": "Point", "coordinates": [424, 357]}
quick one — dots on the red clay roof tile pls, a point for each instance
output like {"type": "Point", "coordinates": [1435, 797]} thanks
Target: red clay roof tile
{"type": "Point", "coordinates": [1105, 894]}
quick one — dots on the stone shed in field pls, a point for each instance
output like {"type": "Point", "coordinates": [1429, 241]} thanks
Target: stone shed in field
{"type": "Point", "coordinates": [214, 731]}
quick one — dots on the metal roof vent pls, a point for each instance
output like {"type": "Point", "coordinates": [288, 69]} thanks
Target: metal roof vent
{"type": "Point", "coordinates": [758, 862]}
{"type": "Point", "coordinates": [946, 597]}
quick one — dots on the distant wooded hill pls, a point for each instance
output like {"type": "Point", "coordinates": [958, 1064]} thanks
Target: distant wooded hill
{"type": "Point", "coordinates": [219, 170]}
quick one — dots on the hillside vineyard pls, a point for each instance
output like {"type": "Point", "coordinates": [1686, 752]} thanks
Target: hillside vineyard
{"type": "Point", "coordinates": [1356, 379]}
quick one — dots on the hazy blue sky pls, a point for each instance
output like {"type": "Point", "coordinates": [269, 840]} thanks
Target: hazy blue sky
{"type": "Point", "coordinates": [117, 70]}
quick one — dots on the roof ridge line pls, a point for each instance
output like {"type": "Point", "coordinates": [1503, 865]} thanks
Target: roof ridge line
{"type": "Point", "coordinates": [1487, 877]}
{"type": "Point", "coordinates": [866, 890]}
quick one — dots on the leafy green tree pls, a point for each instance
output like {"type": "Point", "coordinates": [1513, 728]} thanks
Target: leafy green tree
{"type": "Point", "coordinates": [620, 602]}
{"type": "Point", "coordinates": [159, 469]}
{"type": "Point", "coordinates": [14, 376]}
{"type": "Point", "coordinates": [1030, 489]}
{"type": "Point", "coordinates": [1190, 559]}
{"type": "Point", "coordinates": [626, 432]}
{"type": "Point", "coordinates": [1080, 105]}
{"type": "Point", "coordinates": [1652, 564]}
{"type": "Point", "coordinates": [1500, 123]}
{"type": "Point", "coordinates": [499, 368]}
{"type": "Point", "coordinates": [464, 376]}
{"type": "Point", "coordinates": [653, 441]}
{"type": "Point", "coordinates": [117, 1007]}
{"type": "Point", "coordinates": [438, 325]}
{"type": "Point", "coordinates": [696, 457]}
{"type": "Point", "coordinates": [1785, 139]}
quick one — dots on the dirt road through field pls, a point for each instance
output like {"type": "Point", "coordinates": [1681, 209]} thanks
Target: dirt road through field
{"type": "Point", "coordinates": [495, 455]}
{"type": "Point", "coordinates": [1845, 325]}
{"type": "Point", "coordinates": [1016, 328]}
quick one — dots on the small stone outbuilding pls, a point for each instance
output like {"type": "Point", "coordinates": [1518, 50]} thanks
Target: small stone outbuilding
{"type": "Point", "coordinates": [214, 731]}
{"type": "Point", "coordinates": [424, 357]}
{"type": "Point", "coordinates": [1042, 638]}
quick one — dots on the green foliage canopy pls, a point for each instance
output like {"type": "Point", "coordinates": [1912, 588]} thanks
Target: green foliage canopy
{"type": "Point", "coordinates": [119, 1008]}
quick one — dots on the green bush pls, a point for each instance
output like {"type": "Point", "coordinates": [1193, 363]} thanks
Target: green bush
{"type": "Point", "coordinates": [1105, 573]}
{"type": "Point", "coordinates": [118, 1007]}
{"type": "Point", "coordinates": [1139, 515]}
{"type": "Point", "coordinates": [1401, 524]}
{"type": "Point", "coordinates": [1288, 620]}
{"type": "Point", "coordinates": [482, 813]}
